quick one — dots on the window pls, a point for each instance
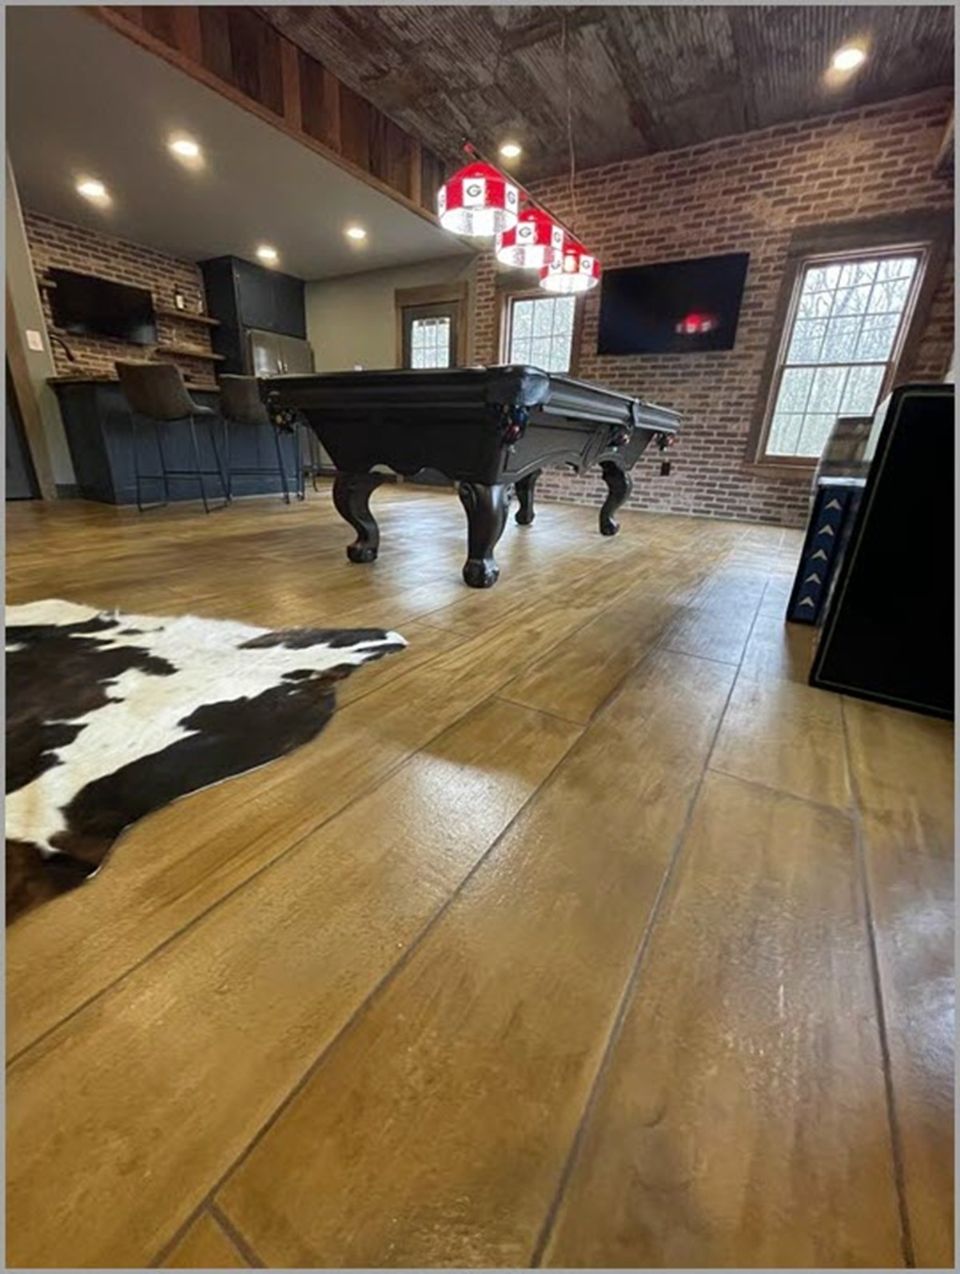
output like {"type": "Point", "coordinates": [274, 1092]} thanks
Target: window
{"type": "Point", "coordinates": [430, 341]}
{"type": "Point", "coordinates": [540, 331]}
{"type": "Point", "coordinates": [432, 325]}
{"type": "Point", "coordinates": [840, 347]}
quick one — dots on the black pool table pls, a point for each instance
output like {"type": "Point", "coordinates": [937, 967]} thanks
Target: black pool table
{"type": "Point", "coordinates": [486, 428]}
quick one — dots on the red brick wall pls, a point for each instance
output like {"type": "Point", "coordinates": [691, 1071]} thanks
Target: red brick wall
{"type": "Point", "coordinates": [65, 246]}
{"type": "Point", "coordinates": [747, 193]}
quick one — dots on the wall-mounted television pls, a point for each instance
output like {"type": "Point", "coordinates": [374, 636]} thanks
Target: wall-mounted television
{"type": "Point", "coordinates": [87, 306]}
{"type": "Point", "coordinates": [676, 307]}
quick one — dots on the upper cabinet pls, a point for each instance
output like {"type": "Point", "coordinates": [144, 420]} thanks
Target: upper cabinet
{"type": "Point", "coordinates": [241, 294]}
{"type": "Point", "coordinates": [290, 307]}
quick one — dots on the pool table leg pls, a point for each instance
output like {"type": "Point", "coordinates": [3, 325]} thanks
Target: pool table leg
{"type": "Point", "coordinates": [524, 489]}
{"type": "Point", "coordinates": [486, 508]}
{"type": "Point", "coordinates": [351, 498]}
{"type": "Point", "coordinates": [619, 485]}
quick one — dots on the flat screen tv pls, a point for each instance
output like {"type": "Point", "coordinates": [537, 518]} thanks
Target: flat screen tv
{"type": "Point", "coordinates": [677, 307]}
{"type": "Point", "coordinates": [88, 306]}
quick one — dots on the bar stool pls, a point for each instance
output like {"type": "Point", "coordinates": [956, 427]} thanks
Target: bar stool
{"type": "Point", "coordinates": [240, 404]}
{"type": "Point", "coordinates": [157, 393]}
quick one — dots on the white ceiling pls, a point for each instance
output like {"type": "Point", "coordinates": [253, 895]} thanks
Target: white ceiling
{"type": "Point", "coordinates": [85, 101]}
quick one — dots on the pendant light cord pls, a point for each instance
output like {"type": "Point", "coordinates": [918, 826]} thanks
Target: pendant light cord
{"type": "Point", "coordinates": [565, 36]}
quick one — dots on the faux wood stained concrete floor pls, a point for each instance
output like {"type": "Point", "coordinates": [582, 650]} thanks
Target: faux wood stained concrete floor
{"type": "Point", "coordinates": [587, 934]}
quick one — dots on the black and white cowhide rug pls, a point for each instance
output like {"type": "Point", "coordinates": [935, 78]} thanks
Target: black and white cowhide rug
{"type": "Point", "coordinates": [111, 716]}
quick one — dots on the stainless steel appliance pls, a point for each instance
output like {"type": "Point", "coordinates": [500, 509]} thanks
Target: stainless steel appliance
{"type": "Point", "coordinates": [272, 354]}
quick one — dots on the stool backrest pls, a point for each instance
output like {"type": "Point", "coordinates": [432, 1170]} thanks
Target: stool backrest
{"type": "Point", "coordinates": [240, 400]}
{"type": "Point", "coordinates": [155, 390]}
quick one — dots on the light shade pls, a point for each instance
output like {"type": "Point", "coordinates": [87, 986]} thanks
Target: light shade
{"type": "Point", "coordinates": [532, 243]}
{"type": "Point", "coordinates": [575, 270]}
{"type": "Point", "coordinates": [478, 201]}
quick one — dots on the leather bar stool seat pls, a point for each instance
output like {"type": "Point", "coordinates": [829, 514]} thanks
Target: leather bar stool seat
{"type": "Point", "coordinates": [156, 393]}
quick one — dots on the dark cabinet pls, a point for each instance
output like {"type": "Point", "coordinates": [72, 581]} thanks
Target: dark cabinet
{"type": "Point", "coordinates": [290, 311]}
{"type": "Point", "coordinates": [256, 296]}
{"type": "Point", "coordinates": [245, 296]}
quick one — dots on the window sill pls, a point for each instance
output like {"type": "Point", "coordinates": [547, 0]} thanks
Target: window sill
{"type": "Point", "coordinates": [781, 472]}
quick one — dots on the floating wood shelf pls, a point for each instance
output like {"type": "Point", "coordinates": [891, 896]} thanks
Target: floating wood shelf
{"type": "Point", "coordinates": [186, 316]}
{"type": "Point", "coordinates": [185, 351]}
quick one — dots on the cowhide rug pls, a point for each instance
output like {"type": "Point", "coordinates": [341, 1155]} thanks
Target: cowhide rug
{"type": "Point", "coordinates": [110, 716]}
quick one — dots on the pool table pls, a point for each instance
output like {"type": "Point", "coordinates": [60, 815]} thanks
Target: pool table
{"type": "Point", "coordinates": [485, 428]}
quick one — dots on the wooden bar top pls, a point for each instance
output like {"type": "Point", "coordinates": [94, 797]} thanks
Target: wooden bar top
{"type": "Point", "coordinates": [104, 378]}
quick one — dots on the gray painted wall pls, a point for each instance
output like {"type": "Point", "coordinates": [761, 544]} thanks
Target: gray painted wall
{"type": "Point", "coordinates": [29, 313]}
{"type": "Point", "coordinates": [352, 320]}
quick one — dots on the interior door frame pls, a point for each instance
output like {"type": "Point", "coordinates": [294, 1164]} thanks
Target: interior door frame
{"type": "Point", "coordinates": [453, 296]}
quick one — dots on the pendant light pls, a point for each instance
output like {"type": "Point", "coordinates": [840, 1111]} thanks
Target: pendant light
{"type": "Point", "coordinates": [478, 201]}
{"type": "Point", "coordinates": [532, 243]}
{"type": "Point", "coordinates": [576, 270]}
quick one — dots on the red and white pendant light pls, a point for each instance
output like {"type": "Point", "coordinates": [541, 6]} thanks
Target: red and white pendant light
{"type": "Point", "coordinates": [532, 243]}
{"type": "Point", "coordinates": [478, 201]}
{"type": "Point", "coordinates": [575, 270]}
{"type": "Point", "coordinates": [481, 202]}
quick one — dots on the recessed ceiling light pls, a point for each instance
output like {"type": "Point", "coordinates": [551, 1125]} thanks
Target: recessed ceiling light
{"type": "Point", "coordinates": [848, 58]}
{"type": "Point", "coordinates": [355, 232]}
{"type": "Point", "coordinates": [268, 254]}
{"type": "Point", "coordinates": [510, 150]}
{"type": "Point", "coordinates": [184, 147]}
{"type": "Point", "coordinates": [92, 189]}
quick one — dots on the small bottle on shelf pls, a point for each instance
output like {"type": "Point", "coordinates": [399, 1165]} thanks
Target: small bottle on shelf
{"type": "Point", "coordinates": [179, 300]}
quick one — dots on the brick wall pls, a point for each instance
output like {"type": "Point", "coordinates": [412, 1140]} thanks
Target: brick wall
{"type": "Point", "coordinates": [747, 193]}
{"type": "Point", "coordinates": [62, 245]}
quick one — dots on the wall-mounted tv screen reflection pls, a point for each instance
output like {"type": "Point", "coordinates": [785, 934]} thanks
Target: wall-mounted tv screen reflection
{"type": "Point", "coordinates": [676, 307]}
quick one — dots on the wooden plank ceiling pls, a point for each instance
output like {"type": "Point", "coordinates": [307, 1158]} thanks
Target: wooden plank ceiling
{"type": "Point", "coordinates": [641, 79]}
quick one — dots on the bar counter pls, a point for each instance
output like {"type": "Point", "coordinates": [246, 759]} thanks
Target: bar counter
{"type": "Point", "coordinates": [99, 429]}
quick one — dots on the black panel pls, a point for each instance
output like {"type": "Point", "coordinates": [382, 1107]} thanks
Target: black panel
{"type": "Point", "coordinates": [220, 289]}
{"type": "Point", "coordinates": [889, 628]}
{"type": "Point", "coordinates": [227, 340]}
{"type": "Point", "coordinates": [289, 310]}
{"type": "Point", "coordinates": [256, 293]}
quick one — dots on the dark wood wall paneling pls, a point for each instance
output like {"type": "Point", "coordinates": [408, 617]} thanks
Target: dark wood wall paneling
{"type": "Point", "coordinates": [320, 103]}
{"type": "Point", "coordinates": [238, 46]}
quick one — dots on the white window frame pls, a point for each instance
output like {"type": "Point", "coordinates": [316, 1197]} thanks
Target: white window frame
{"type": "Point", "coordinates": [921, 251]}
